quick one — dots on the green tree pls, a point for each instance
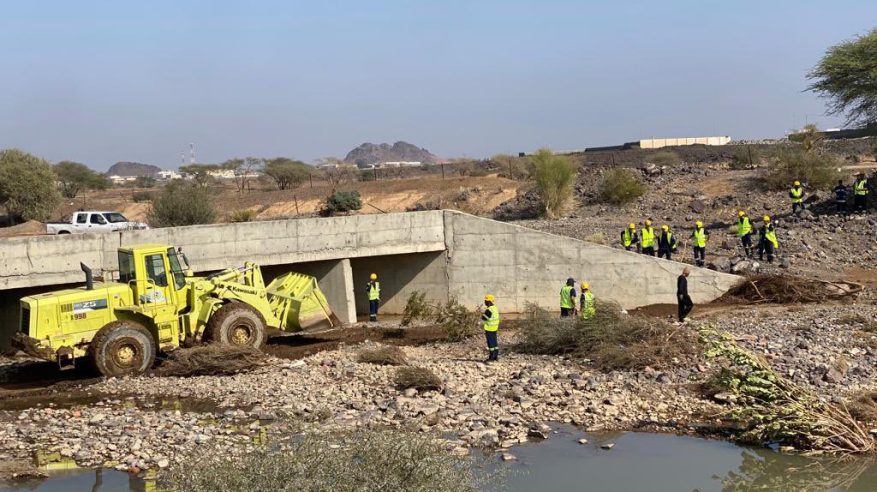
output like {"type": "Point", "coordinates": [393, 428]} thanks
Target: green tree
{"type": "Point", "coordinates": [342, 201]}
{"type": "Point", "coordinates": [554, 176]}
{"type": "Point", "coordinates": [144, 182]}
{"type": "Point", "coordinates": [619, 186]}
{"type": "Point", "coordinates": [181, 204]}
{"type": "Point", "coordinates": [818, 170]}
{"type": "Point", "coordinates": [200, 173]}
{"type": "Point", "coordinates": [243, 169]}
{"type": "Point", "coordinates": [74, 177]}
{"type": "Point", "coordinates": [847, 76]}
{"type": "Point", "coordinates": [286, 173]}
{"type": "Point", "coordinates": [27, 186]}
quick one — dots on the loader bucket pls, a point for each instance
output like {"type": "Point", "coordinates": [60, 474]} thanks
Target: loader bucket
{"type": "Point", "coordinates": [299, 304]}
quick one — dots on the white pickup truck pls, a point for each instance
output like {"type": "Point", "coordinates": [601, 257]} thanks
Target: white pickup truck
{"type": "Point", "coordinates": [93, 222]}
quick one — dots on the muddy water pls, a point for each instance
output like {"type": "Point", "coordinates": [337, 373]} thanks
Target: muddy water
{"type": "Point", "coordinates": [636, 462]}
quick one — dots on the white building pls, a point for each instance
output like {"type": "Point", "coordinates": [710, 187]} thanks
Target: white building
{"type": "Point", "coordinates": [116, 179]}
{"type": "Point", "coordinates": [168, 174]}
{"type": "Point", "coordinates": [387, 164]}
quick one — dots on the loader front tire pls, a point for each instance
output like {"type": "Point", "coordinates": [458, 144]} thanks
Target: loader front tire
{"type": "Point", "coordinates": [237, 324]}
{"type": "Point", "coordinates": [122, 348]}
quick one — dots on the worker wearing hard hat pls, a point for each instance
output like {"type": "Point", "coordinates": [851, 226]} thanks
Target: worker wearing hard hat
{"type": "Point", "coordinates": [744, 232]}
{"type": "Point", "coordinates": [568, 298]}
{"type": "Point", "coordinates": [796, 194]}
{"type": "Point", "coordinates": [699, 237]}
{"type": "Point", "coordinates": [490, 322]}
{"type": "Point", "coordinates": [586, 303]}
{"type": "Point", "coordinates": [767, 241]}
{"type": "Point", "coordinates": [666, 243]}
{"type": "Point", "coordinates": [629, 237]}
{"type": "Point", "coordinates": [647, 238]}
{"type": "Point", "coordinates": [374, 296]}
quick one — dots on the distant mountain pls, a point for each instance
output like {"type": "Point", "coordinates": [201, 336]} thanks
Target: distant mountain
{"type": "Point", "coordinates": [133, 169]}
{"type": "Point", "coordinates": [369, 153]}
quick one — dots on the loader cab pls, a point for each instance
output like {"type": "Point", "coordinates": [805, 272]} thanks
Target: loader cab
{"type": "Point", "coordinates": [156, 277]}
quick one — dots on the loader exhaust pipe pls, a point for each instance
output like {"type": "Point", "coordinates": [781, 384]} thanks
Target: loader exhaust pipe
{"type": "Point", "coordinates": [89, 278]}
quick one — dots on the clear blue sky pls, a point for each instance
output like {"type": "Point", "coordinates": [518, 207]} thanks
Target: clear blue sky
{"type": "Point", "coordinates": [103, 81]}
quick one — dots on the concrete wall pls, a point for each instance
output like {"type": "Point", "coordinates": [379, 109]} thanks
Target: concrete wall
{"type": "Point", "coordinates": [520, 265]}
{"type": "Point", "coordinates": [657, 143]}
{"type": "Point", "coordinates": [400, 275]}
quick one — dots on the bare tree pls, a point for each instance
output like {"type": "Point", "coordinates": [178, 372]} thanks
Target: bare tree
{"type": "Point", "coordinates": [336, 171]}
{"type": "Point", "coordinates": [244, 170]}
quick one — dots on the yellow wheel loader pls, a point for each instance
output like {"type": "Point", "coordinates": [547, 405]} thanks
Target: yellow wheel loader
{"type": "Point", "coordinates": [157, 305]}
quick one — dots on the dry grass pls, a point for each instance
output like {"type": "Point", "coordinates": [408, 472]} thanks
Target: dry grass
{"type": "Point", "coordinates": [782, 289]}
{"type": "Point", "coordinates": [419, 378]}
{"type": "Point", "coordinates": [210, 360]}
{"type": "Point", "coordinates": [611, 340]}
{"type": "Point", "coordinates": [384, 356]}
{"type": "Point", "coordinates": [863, 406]}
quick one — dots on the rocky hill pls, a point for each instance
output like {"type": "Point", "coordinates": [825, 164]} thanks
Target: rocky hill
{"type": "Point", "coordinates": [369, 153]}
{"type": "Point", "coordinates": [132, 169]}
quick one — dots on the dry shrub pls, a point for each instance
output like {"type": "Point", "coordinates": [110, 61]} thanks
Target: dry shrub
{"type": "Point", "coordinates": [784, 289]}
{"type": "Point", "coordinates": [210, 360]}
{"type": "Point", "coordinates": [416, 308]}
{"type": "Point", "coordinates": [384, 356]}
{"type": "Point", "coordinates": [619, 186]}
{"type": "Point", "coordinates": [457, 322]}
{"type": "Point", "coordinates": [611, 340]}
{"type": "Point", "coordinates": [419, 378]}
{"type": "Point", "coordinates": [344, 462]}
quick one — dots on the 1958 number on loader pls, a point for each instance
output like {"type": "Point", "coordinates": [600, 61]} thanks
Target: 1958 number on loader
{"type": "Point", "coordinates": [157, 305]}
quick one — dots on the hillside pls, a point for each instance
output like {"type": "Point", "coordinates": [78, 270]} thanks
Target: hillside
{"type": "Point", "coordinates": [133, 169]}
{"type": "Point", "coordinates": [369, 153]}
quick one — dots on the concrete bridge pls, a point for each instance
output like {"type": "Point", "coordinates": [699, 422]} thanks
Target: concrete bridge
{"type": "Point", "coordinates": [442, 253]}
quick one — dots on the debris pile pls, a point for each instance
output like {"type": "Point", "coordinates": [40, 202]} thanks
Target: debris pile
{"type": "Point", "coordinates": [210, 360]}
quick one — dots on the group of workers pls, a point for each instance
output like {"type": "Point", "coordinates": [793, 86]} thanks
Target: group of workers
{"type": "Point", "coordinates": [648, 242]}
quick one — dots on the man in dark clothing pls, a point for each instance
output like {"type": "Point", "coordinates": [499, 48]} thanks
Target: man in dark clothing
{"type": "Point", "coordinates": [666, 243]}
{"type": "Point", "coordinates": [840, 196]}
{"type": "Point", "coordinates": [682, 297]}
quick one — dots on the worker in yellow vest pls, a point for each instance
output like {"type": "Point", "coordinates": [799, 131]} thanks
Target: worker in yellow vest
{"type": "Point", "coordinates": [629, 237]}
{"type": "Point", "coordinates": [490, 323]}
{"type": "Point", "coordinates": [374, 296]}
{"type": "Point", "coordinates": [568, 298]}
{"type": "Point", "coordinates": [699, 237]}
{"type": "Point", "coordinates": [797, 196]}
{"type": "Point", "coordinates": [744, 232]}
{"type": "Point", "coordinates": [666, 243]}
{"type": "Point", "coordinates": [767, 242]}
{"type": "Point", "coordinates": [587, 306]}
{"type": "Point", "coordinates": [647, 238]}
{"type": "Point", "coordinates": [860, 192]}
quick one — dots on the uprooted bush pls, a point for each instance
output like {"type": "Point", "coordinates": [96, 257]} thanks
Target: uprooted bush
{"type": "Point", "coordinates": [863, 406]}
{"type": "Point", "coordinates": [210, 360]}
{"type": "Point", "coordinates": [416, 308]}
{"type": "Point", "coordinates": [419, 378]}
{"type": "Point", "coordinates": [784, 289]}
{"type": "Point", "coordinates": [347, 462]}
{"type": "Point", "coordinates": [384, 356]}
{"type": "Point", "coordinates": [458, 322]}
{"type": "Point", "coordinates": [770, 409]}
{"type": "Point", "coordinates": [618, 187]}
{"type": "Point", "coordinates": [611, 339]}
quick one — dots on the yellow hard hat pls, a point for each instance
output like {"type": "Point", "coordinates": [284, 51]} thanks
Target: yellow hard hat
{"type": "Point", "coordinates": [648, 222]}
{"type": "Point", "coordinates": [489, 297]}
{"type": "Point", "coordinates": [797, 183]}
{"type": "Point", "coordinates": [698, 223]}
{"type": "Point", "coordinates": [741, 213]}
{"type": "Point", "coordinates": [766, 218]}
{"type": "Point", "coordinates": [585, 285]}
{"type": "Point", "coordinates": [373, 276]}
{"type": "Point", "coordinates": [665, 227]}
{"type": "Point", "coordinates": [631, 226]}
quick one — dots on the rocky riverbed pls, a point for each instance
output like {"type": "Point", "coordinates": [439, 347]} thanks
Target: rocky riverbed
{"type": "Point", "coordinates": [148, 422]}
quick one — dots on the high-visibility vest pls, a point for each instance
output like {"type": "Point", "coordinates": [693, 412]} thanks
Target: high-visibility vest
{"type": "Point", "coordinates": [566, 297]}
{"type": "Point", "coordinates": [374, 291]}
{"type": "Point", "coordinates": [492, 322]}
{"type": "Point", "coordinates": [796, 194]}
{"type": "Point", "coordinates": [699, 236]}
{"type": "Point", "coordinates": [770, 234]}
{"type": "Point", "coordinates": [647, 238]}
{"type": "Point", "coordinates": [743, 226]}
{"type": "Point", "coordinates": [627, 237]}
{"type": "Point", "coordinates": [861, 187]}
{"type": "Point", "coordinates": [588, 307]}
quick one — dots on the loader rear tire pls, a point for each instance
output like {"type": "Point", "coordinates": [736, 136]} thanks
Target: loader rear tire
{"type": "Point", "coordinates": [237, 324]}
{"type": "Point", "coordinates": [122, 348]}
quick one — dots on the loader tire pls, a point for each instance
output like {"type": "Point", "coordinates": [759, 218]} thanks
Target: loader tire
{"type": "Point", "coordinates": [122, 348]}
{"type": "Point", "coordinates": [237, 324]}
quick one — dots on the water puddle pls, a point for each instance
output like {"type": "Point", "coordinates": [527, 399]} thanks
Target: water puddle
{"type": "Point", "coordinates": [634, 462]}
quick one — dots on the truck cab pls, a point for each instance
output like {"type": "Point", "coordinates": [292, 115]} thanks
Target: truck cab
{"type": "Point", "coordinates": [93, 222]}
